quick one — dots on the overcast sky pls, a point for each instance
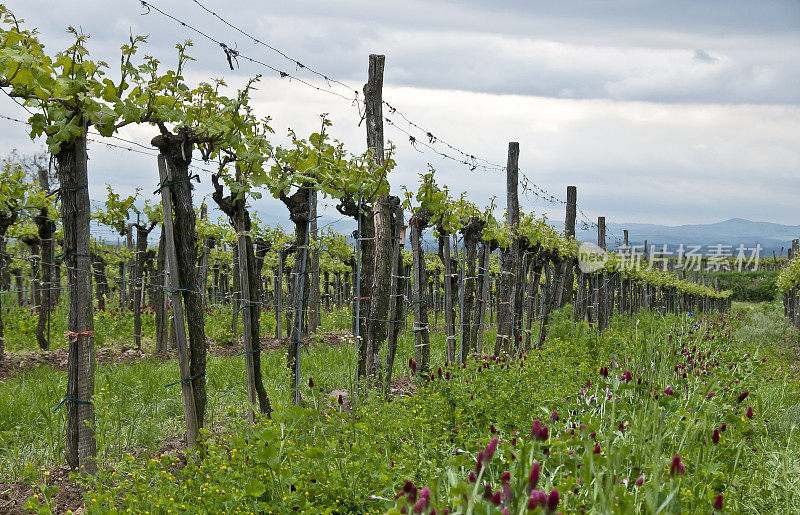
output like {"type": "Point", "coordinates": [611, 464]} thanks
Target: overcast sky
{"type": "Point", "coordinates": [659, 112]}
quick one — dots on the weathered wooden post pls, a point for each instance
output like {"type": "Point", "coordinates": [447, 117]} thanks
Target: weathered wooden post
{"type": "Point", "coordinates": [569, 230]}
{"type": "Point", "coordinates": [508, 257]}
{"type": "Point", "coordinates": [381, 278]}
{"type": "Point", "coordinates": [187, 390]}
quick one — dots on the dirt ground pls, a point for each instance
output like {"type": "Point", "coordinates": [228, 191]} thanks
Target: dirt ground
{"type": "Point", "coordinates": [13, 364]}
{"type": "Point", "coordinates": [69, 496]}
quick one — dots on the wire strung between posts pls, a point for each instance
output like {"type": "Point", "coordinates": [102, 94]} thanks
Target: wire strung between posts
{"type": "Point", "coordinates": [188, 380]}
{"type": "Point", "coordinates": [70, 399]}
{"type": "Point", "coordinates": [58, 191]}
{"type": "Point", "coordinates": [168, 184]}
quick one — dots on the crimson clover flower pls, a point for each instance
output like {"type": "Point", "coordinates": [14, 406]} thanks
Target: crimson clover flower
{"type": "Point", "coordinates": [480, 461]}
{"type": "Point", "coordinates": [552, 500]}
{"type": "Point", "coordinates": [677, 467]}
{"type": "Point", "coordinates": [742, 396]}
{"type": "Point", "coordinates": [718, 502]}
{"type": "Point", "coordinates": [749, 412]}
{"type": "Point", "coordinates": [491, 448]}
{"type": "Point", "coordinates": [536, 499]}
{"type": "Point", "coordinates": [533, 479]}
{"type": "Point", "coordinates": [715, 436]}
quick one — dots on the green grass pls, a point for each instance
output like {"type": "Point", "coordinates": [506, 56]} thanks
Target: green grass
{"type": "Point", "coordinates": [359, 460]}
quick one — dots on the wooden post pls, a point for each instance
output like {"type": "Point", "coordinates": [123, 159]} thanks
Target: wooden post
{"type": "Point", "coordinates": [380, 282]}
{"type": "Point", "coordinates": [80, 445]}
{"type": "Point", "coordinates": [204, 258]}
{"type": "Point", "coordinates": [569, 230]}
{"type": "Point", "coordinates": [397, 297]}
{"type": "Point", "coordinates": [189, 411]}
{"type": "Point", "coordinates": [601, 277]}
{"type": "Point", "coordinates": [449, 318]}
{"type": "Point", "coordinates": [601, 232]}
{"type": "Point", "coordinates": [419, 302]}
{"type": "Point", "coordinates": [279, 296]}
{"type": "Point", "coordinates": [506, 288]}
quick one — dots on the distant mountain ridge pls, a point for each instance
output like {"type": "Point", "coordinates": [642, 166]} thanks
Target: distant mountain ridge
{"type": "Point", "coordinates": [733, 232]}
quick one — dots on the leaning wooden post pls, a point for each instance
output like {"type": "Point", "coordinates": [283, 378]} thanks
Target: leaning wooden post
{"type": "Point", "coordinates": [189, 410]}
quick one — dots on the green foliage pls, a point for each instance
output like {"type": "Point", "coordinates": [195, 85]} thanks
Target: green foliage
{"type": "Point", "coordinates": [789, 276]}
{"type": "Point", "coordinates": [117, 210]}
{"type": "Point", "coordinates": [749, 285]}
{"type": "Point", "coordinates": [68, 91]}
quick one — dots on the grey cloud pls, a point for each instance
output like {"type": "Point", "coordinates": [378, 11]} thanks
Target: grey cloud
{"type": "Point", "coordinates": [702, 55]}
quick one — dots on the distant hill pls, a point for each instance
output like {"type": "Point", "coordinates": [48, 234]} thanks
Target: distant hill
{"type": "Point", "coordinates": [734, 232]}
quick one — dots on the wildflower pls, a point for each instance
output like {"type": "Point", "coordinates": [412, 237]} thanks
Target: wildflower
{"type": "Point", "coordinates": [742, 396]}
{"type": "Point", "coordinates": [554, 416]}
{"type": "Point", "coordinates": [718, 502]}
{"type": "Point", "coordinates": [715, 436]}
{"type": "Point", "coordinates": [552, 500]}
{"type": "Point", "coordinates": [537, 498]}
{"type": "Point", "coordinates": [508, 495]}
{"type": "Point", "coordinates": [480, 461]}
{"type": "Point", "coordinates": [668, 390]}
{"type": "Point", "coordinates": [472, 477]}
{"type": "Point", "coordinates": [749, 412]}
{"type": "Point", "coordinates": [604, 371]}
{"type": "Point", "coordinates": [536, 429]}
{"type": "Point", "coordinates": [677, 466]}
{"type": "Point", "coordinates": [506, 476]}
{"type": "Point", "coordinates": [491, 448]}
{"type": "Point", "coordinates": [340, 400]}
{"type": "Point", "coordinates": [412, 365]}
{"type": "Point", "coordinates": [487, 491]}
{"type": "Point", "coordinates": [626, 376]}
{"type": "Point", "coordinates": [533, 479]}
{"type": "Point", "coordinates": [723, 427]}
{"type": "Point", "coordinates": [311, 382]}
{"type": "Point", "coordinates": [709, 395]}
{"type": "Point", "coordinates": [640, 481]}
{"type": "Point", "coordinates": [596, 449]}
{"type": "Point", "coordinates": [622, 426]}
